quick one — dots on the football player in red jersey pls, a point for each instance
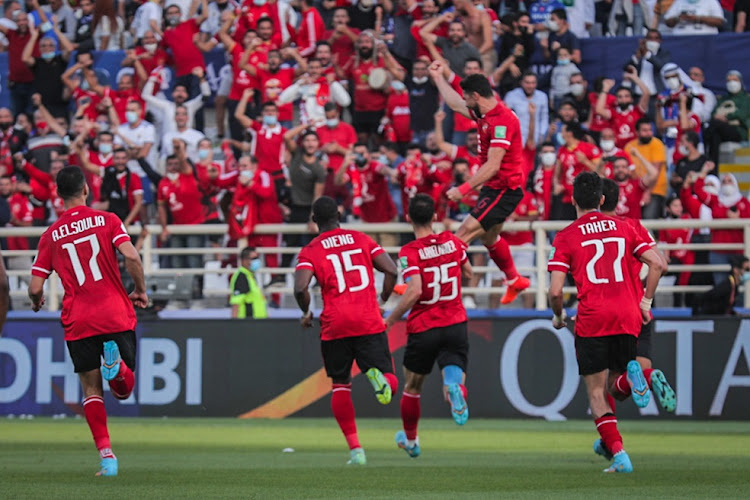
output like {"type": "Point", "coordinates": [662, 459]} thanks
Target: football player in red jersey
{"type": "Point", "coordinates": [97, 313]}
{"type": "Point", "coordinates": [609, 317]}
{"type": "Point", "coordinates": [432, 267]}
{"type": "Point", "coordinates": [501, 175]}
{"type": "Point", "coordinates": [656, 380]}
{"type": "Point", "coordinates": [632, 189]}
{"type": "Point", "coordinates": [352, 327]}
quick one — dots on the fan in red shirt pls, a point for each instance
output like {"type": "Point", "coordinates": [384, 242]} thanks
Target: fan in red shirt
{"type": "Point", "coordinates": [432, 266]}
{"type": "Point", "coordinates": [397, 120]}
{"type": "Point", "coordinates": [178, 37]}
{"type": "Point", "coordinates": [97, 314]}
{"type": "Point", "coordinates": [429, 9]}
{"type": "Point", "coordinates": [609, 152]}
{"type": "Point", "coordinates": [251, 13]}
{"type": "Point", "coordinates": [274, 79]}
{"type": "Point", "coordinates": [543, 179]}
{"type": "Point", "coordinates": [413, 174]}
{"type": "Point", "coordinates": [21, 215]}
{"type": "Point", "coordinates": [311, 28]}
{"type": "Point", "coordinates": [596, 250]}
{"type": "Point", "coordinates": [624, 115]}
{"type": "Point", "coordinates": [501, 175]}
{"type": "Point", "coordinates": [352, 328]}
{"type": "Point", "coordinates": [149, 54]}
{"type": "Point", "coordinates": [43, 188]}
{"type": "Point", "coordinates": [94, 163]}
{"type": "Point", "coordinates": [632, 189]}
{"type": "Point", "coordinates": [574, 157]}
{"type": "Point", "coordinates": [337, 139]}
{"type": "Point", "coordinates": [341, 38]}
{"type": "Point", "coordinates": [369, 186]}
{"type": "Point", "coordinates": [206, 170]}
{"type": "Point", "coordinates": [19, 73]}
{"type": "Point", "coordinates": [678, 236]}
{"type": "Point", "coordinates": [469, 152]}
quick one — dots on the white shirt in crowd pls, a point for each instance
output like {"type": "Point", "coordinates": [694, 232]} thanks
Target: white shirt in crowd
{"type": "Point", "coordinates": [703, 8]}
{"type": "Point", "coordinates": [517, 101]}
{"type": "Point", "coordinates": [143, 134]}
{"type": "Point", "coordinates": [581, 13]}
{"type": "Point", "coordinates": [145, 13]}
{"type": "Point", "coordinates": [308, 93]}
{"type": "Point", "coordinates": [191, 137]}
{"type": "Point", "coordinates": [166, 108]}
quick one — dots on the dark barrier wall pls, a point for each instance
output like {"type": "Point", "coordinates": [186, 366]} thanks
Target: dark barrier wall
{"type": "Point", "coordinates": [273, 369]}
{"type": "Point", "coordinates": [601, 57]}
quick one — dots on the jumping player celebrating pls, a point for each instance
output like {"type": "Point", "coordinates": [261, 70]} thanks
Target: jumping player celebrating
{"type": "Point", "coordinates": [432, 266]}
{"type": "Point", "coordinates": [501, 175]}
{"type": "Point", "coordinates": [609, 317]}
{"type": "Point", "coordinates": [352, 327]}
{"type": "Point", "coordinates": [97, 316]}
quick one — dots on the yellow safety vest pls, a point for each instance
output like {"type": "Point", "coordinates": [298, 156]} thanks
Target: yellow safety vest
{"type": "Point", "coordinates": [254, 297]}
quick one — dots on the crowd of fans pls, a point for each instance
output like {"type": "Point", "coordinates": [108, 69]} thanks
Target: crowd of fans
{"type": "Point", "coordinates": [336, 97]}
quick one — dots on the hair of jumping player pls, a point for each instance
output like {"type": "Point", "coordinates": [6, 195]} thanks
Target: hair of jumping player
{"type": "Point", "coordinates": [611, 192]}
{"type": "Point", "coordinates": [70, 183]}
{"type": "Point", "coordinates": [477, 83]}
{"type": "Point", "coordinates": [325, 212]}
{"type": "Point", "coordinates": [246, 253]}
{"type": "Point", "coordinates": [587, 190]}
{"type": "Point", "coordinates": [421, 209]}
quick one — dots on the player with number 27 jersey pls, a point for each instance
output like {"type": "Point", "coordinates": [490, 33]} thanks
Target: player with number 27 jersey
{"type": "Point", "coordinates": [438, 259]}
{"type": "Point", "coordinates": [342, 261]}
{"type": "Point", "coordinates": [597, 250]}
{"type": "Point", "coordinates": [80, 247]}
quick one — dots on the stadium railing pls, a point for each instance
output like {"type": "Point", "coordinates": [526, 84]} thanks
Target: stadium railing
{"type": "Point", "coordinates": [543, 231]}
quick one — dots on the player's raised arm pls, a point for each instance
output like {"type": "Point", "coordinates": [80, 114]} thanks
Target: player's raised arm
{"type": "Point", "coordinates": [452, 98]}
{"type": "Point", "coordinates": [408, 299]}
{"type": "Point", "coordinates": [655, 268]}
{"type": "Point", "coordinates": [135, 269]}
{"type": "Point", "coordinates": [385, 265]}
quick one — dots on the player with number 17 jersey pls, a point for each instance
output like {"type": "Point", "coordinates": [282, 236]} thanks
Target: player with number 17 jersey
{"type": "Point", "coordinates": [80, 247]}
{"type": "Point", "coordinates": [342, 263]}
{"type": "Point", "coordinates": [594, 249]}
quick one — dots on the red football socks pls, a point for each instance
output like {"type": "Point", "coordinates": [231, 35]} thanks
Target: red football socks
{"type": "Point", "coordinates": [607, 427]}
{"type": "Point", "coordinates": [647, 375]}
{"type": "Point", "coordinates": [122, 385]}
{"type": "Point", "coordinates": [392, 381]}
{"type": "Point", "coordinates": [622, 386]}
{"type": "Point", "coordinates": [410, 412]}
{"type": "Point", "coordinates": [464, 390]}
{"type": "Point", "coordinates": [96, 416]}
{"type": "Point", "coordinates": [343, 410]}
{"type": "Point", "coordinates": [611, 401]}
{"type": "Point", "coordinates": [500, 255]}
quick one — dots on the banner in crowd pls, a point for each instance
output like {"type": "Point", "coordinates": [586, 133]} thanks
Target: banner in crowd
{"type": "Point", "coordinates": [715, 54]}
{"type": "Point", "coordinates": [273, 369]}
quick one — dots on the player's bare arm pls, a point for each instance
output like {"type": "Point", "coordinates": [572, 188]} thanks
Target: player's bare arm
{"type": "Point", "coordinates": [557, 281]}
{"type": "Point", "coordinates": [655, 268]}
{"type": "Point", "coordinates": [452, 98]}
{"type": "Point", "coordinates": [408, 299]}
{"type": "Point", "coordinates": [385, 265]}
{"type": "Point", "coordinates": [467, 272]}
{"type": "Point", "coordinates": [302, 278]}
{"type": "Point", "coordinates": [36, 293]}
{"type": "Point", "coordinates": [135, 269]}
{"type": "Point", "coordinates": [485, 173]}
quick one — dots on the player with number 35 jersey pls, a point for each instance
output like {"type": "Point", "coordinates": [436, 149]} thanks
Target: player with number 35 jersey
{"type": "Point", "coordinates": [352, 327]}
{"type": "Point", "coordinates": [432, 267]}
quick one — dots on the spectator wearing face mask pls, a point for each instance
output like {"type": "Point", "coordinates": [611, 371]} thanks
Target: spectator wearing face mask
{"type": "Point", "coordinates": [695, 17]}
{"type": "Point", "coordinates": [649, 59]}
{"type": "Point", "coordinates": [149, 55]}
{"type": "Point", "coordinates": [678, 236]}
{"type": "Point", "coordinates": [336, 138]}
{"type": "Point", "coordinates": [95, 163]}
{"type": "Point", "coordinates": [705, 101]}
{"type": "Point", "coordinates": [654, 152]}
{"type": "Point", "coordinates": [692, 159]}
{"type": "Point", "coordinates": [561, 36]}
{"type": "Point", "coordinates": [560, 77]}
{"type": "Point", "coordinates": [423, 101]}
{"type": "Point", "coordinates": [180, 98]}
{"type": "Point", "coordinates": [728, 204]}
{"type": "Point", "coordinates": [543, 176]}
{"type": "Point", "coordinates": [139, 136]}
{"type": "Point", "coordinates": [632, 189]}
{"type": "Point", "coordinates": [731, 118]}
{"type": "Point", "coordinates": [247, 299]}
{"type": "Point", "coordinates": [575, 157]}
{"type": "Point", "coordinates": [720, 300]}
{"type": "Point", "coordinates": [610, 152]}
{"type": "Point", "coordinates": [148, 17]}
{"type": "Point", "coordinates": [48, 68]}
{"type": "Point", "coordinates": [316, 90]}
{"type": "Point", "coordinates": [396, 123]}
{"type": "Point", "coordinates": [20, 77]}
{"type": "Point", "coordinates": [565, 115]}
{"type": "Point", "coordinates": [626, 113]}
{"type": "Point", "coordinates": [578, 95]}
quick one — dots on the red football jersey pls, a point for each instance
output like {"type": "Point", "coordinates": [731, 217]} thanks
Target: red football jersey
{"type": "Point", "coordinates": [623, 123]}
{"type": "Point", "coordinates": [242, 79]}
{"type": "Point", "coordinates": [437, 259]}
{"type": "Point", "coordinates": [80, 247]}
{"type": "Point", "coordinates": [341, 261]}
{"type": "Point", "coordinates": [570, 167]}
{"type": "Point", "coordinates": [635, 264]}
{"type": "Point", "coordinates": [365, 97]}
{"type": "Point", "coordinates": [398, 112]}
{"type": "Point", "coordinates": [343, 134]}
{"type": "Point", "coordinates": [543, 190]}
{"type": "Point", "coordinates": [631, 194]}
{"type": "Point", "coordinates": [184, 52]}
{"type": "Point", "coordinates": [21, 210]}
{"type": "Point", "coordinates": [500, 128]}
{"type": "Point", "coordinates": [268, 146]}
{"type": "Point", "coordinates": [183, 199]}
{"type": "Point", "coordinates": [607, 168]}
{"type": "Point", "coordinates": [271, 85]}
{"type": "Point", "coordinates": [594, 249]}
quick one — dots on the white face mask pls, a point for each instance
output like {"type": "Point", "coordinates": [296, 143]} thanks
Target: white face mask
{"type": "Point", "coordinates": [734, 87]}
{"type": "Point", "coordinates": [548, 158]}
{"type": "Point", "coordinates": [419, 80]}
{"type": "Point", "coordinates": [246, 174]}
{"type": "Point", "coordinates": [607, 145]}
{"type": "Point", "coordinates": [553, 26]}
{"type": "Point", "coordinates": [673, 83]}
{"type": "Point", "coordinates": [652, 46]}
{"type": "Point", "coordinates": [173, 176]}
{"type": "Point", "coordinates": [684, 151]}
{"type": "Point", "coordinates": [577, 89]}
{"type": "Point", "coordinates": [727, 190]}
{"type": "Point", "coordinates": [151, 47]}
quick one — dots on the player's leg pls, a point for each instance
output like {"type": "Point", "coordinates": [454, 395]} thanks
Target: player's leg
{"type": "Point", "coordinates": [118, 368]}
{"type": "Point", "coordinates": [374, 360]}
{"type": "Point", "coordinates": [626, 377]}
{"type": "Point", "coordinates": [453, 360]}
{"type": "Point", "coordinates": [338, 358]}
{"type": "Point", "coordinates": [86, 356]}
{"type": "Point", "coordinates": [655, 378]}
{"type": "Point", "coordinates": [407, 439]}
{"type": "Point", "coordinates": [486, 222]}
{"type": "Point", "coordinates": [592, 354]}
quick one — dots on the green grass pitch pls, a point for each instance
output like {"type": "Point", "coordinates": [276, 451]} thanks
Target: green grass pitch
{"type": "Point", "coordinates": [229, 458]}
